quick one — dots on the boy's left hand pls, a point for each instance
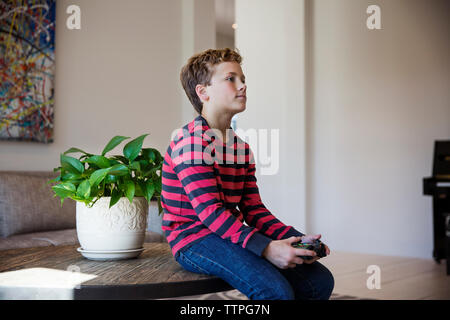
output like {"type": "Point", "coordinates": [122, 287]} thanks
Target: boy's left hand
{"type": "Point", "coordinates": [311, 238]}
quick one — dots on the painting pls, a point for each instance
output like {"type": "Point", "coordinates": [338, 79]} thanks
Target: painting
{"type": "Point", "coordinates": [27, 63]}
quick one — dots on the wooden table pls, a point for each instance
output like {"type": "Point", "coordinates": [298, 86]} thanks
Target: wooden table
{"type": "Point", "coordinates": [63, 273]}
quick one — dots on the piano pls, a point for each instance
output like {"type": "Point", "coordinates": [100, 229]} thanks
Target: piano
{"type": "Point", "coordinates": [438, 186]}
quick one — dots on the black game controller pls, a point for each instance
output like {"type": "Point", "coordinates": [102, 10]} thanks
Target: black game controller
{"type": "Point", "coordinates": [317, 246]}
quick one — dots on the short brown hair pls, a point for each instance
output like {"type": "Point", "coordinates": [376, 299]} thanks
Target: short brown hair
{"type": "Point", "coordinates": [199, 70]}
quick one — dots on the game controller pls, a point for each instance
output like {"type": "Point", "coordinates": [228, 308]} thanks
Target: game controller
{"type": "Point", "coordinates": [317, 246]}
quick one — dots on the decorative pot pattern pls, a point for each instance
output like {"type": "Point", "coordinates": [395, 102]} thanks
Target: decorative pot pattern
{"type": "Point", "coordinates": [121, 227]}
{"type": "Point", "coordinates": [121, 217]}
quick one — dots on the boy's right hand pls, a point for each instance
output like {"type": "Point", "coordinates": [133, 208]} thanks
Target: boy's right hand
{"type": "Point", "coordinates": [283, 255]}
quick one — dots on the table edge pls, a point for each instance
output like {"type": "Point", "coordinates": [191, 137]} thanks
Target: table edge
{"type": "Point", "coordinates": [159, 290]}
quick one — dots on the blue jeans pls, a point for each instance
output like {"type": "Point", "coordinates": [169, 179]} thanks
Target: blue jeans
{"type": "Point", "coordinates": [255, 276]}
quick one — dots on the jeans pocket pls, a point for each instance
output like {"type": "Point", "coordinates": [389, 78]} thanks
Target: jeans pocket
{"type": "Point", "coordinates": [190, 265]}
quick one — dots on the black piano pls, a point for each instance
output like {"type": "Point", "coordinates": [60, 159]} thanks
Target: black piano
{"type": "Point", "coordinates": [438, 186]}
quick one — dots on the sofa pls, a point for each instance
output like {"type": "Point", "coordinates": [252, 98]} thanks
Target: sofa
{"type": "Point", "coordinates": [30, 215]}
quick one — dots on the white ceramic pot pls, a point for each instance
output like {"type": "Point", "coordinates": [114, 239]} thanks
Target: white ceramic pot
{"type": "Point", "coordinates": [120, 228]}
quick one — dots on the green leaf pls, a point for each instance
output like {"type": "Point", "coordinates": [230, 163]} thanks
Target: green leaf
{"type": "Point", "coordinates": [57, 179]}
{"type": "Point", "coordinates": [98, 176]}
{"type": "Point", "coordinates": [160, 206]}
{"type": "Point", "coordinates": [120, 158]}
{"type": "Point", "coordinates": [142, 189]}
{"type": "Point", "coordinates": [113, 143]}
{"type": "Point", "coordinates": [129, 190]}
{"type": "Point", "coordinates": [133, 148]}
{"type": "Point", "coordinates": [138, 192]}
{"type": "Point", "coordinates": [73, 150]}
{"type": "Point", "coordinates": [84, 189]}
{"type": "Point", "coordinates": [77, 198]}
{"type": "Point", "coordinates": [71, 164]}
{"type": "Point", "coordinates": [149, 153]}
{"type": "Point", "coordinates": [143, 163]}
{"type": "Point", "coordinates": [70, 176]}
{"type": "Point", "coordinates": [150, 172]}
{"type": "Point", "coordinates": [135, 166]}
{"type": "Point", "coordinates": [159, 157]}
{"type": "Point", "coordinates": [115, 196]}
{"type": "Point", "coordinates": [119, 170]}
{"type": "Point", "coordinates": [110, 179]}
{"type": "Point", "coordinates": [95, 192]}
{"type": "Point", "coordinates": [158, 185]}
{"type": "Point", "coordinates": [149, 190]}
{"type": "Point", "coordinates": [99, 161]}
{"type": "Point", "coordinates": [65, 189]}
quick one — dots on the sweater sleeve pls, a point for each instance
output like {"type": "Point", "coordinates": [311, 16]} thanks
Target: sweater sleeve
{"type": "Point", "coordinates": [257, 215]}
{"type": "Point", "coordinates": [197, 177]}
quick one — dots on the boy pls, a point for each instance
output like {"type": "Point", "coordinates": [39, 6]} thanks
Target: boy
{"type": "Point", "coordinates": [201, 189]}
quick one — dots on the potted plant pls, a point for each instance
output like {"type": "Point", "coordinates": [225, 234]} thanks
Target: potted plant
{"type": "Point", "coordinates": [113, 194]}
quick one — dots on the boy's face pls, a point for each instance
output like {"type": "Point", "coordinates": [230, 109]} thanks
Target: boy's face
{"type": "Point", "coordinates": [227, 92]}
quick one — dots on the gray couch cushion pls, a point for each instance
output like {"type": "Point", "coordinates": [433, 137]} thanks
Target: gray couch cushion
{"type": "Point", "coordinates": [40, 239]}
{"type": "Point", "coordinates": [22, 241]}
{"type": "Point", "coordinates": [57, 238]}
{"type": "Point", "coordinates": [27, 204]}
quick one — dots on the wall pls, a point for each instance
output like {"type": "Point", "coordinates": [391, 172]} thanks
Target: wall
{"type": "Point", "coordinates": [198, 34]}
{"type": "Point", "coordinates": [271, 42]}
{"type": "Point", "coordinates": [224, 41]}
{"type": "Point", "coordinates": [118, 75]}
{"type": "Point", "coordinates": [375, 102]}
{"type": "Point", "coordinates": [379, 99]}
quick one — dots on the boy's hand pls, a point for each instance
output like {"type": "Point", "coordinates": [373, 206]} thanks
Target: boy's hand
{"type": "Point", "coordinates": [283, 255]}
{"type": "Point", "coordinates": [310, 239]}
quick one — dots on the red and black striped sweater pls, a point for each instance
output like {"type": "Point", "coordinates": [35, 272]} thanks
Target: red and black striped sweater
{"type": "Point", "coordinates": [210, 187]}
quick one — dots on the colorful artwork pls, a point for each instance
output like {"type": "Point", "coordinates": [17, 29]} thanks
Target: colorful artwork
{"type": "Point", "coordinates": [27, 59]}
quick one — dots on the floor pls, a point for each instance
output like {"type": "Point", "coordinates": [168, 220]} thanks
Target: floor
{"type": "Point", "coordinates": [399, 278]}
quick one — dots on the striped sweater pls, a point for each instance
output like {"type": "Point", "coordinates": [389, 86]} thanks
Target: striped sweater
{"type": "Point", "coordinates": [210, 187]}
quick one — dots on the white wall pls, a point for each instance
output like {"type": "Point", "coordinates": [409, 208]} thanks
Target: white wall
{"type": "Point", "coordinates": [270, 40]}
{"type": "Point", "coordinates": [198, 34]}
{"type": "Point", "coordinates": [375, 103]}
{"type": "Point", "coordinates": [118, 75]}
{"type": "Point", "coordinates": [224, 41]}
{"type": "Point", "coordinates": [379, 99]}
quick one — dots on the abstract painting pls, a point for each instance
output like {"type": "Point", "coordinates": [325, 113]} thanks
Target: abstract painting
{"type": "Point", "coordinates": [27, 59]}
